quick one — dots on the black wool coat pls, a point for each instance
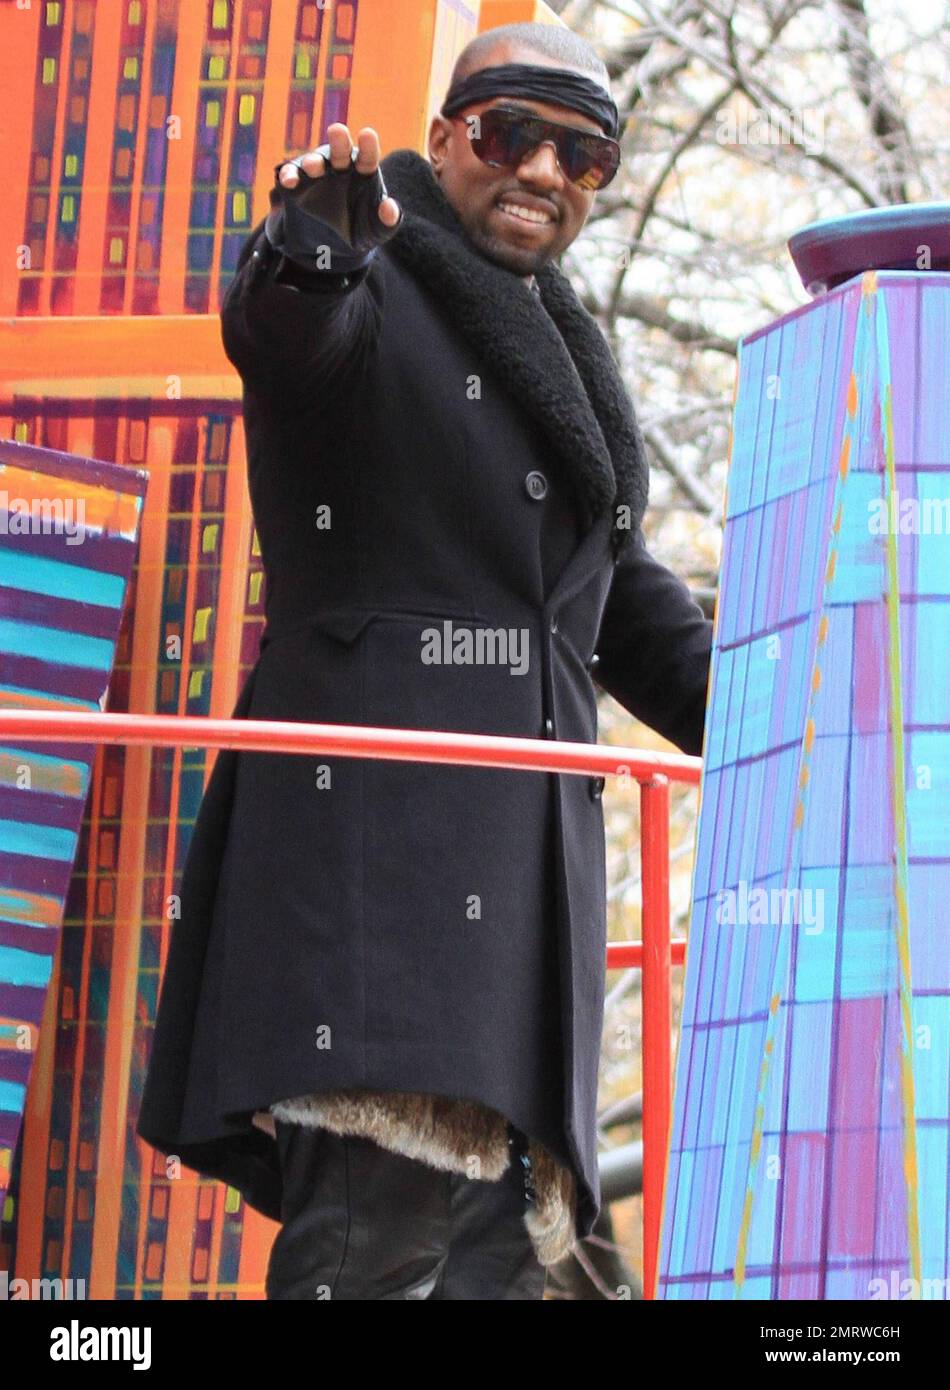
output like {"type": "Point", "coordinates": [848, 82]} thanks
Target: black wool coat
{"type": "Point", "coordinates": [430, 443]}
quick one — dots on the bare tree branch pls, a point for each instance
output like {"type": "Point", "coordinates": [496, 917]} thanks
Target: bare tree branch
{"type": "Point", "coordinates": [873, 91]}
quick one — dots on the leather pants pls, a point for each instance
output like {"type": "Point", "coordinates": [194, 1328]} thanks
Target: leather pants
{"type": "Point", "coordinates": [360, 1222]}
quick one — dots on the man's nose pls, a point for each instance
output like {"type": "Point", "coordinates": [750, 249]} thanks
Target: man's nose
{"type": "Point", "coordinates": [540, 166]}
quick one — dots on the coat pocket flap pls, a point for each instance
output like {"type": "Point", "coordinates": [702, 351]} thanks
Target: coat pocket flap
{"type": "Point", "coordinates": [345, 624]}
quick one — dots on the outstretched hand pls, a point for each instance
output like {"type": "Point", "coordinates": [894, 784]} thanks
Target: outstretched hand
{"type": "Point", "coordinates": [341, 160]}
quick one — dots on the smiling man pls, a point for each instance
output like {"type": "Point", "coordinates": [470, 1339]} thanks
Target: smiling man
{"type": "Point", "coordinates": [514, 198]}
{"type": "Point", "coordinates": [381, 1014]}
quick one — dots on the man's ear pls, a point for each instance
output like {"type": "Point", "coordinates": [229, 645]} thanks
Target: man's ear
{"type": "Point", "coordinates": [440, 132]}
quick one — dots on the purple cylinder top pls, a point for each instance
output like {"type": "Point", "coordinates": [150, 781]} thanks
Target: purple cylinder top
{"type": "Point", "coordinates": [907, 236]}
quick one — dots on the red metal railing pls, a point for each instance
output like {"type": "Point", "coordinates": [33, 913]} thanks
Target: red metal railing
{"type": "Point", "coordinates": [655, 955]}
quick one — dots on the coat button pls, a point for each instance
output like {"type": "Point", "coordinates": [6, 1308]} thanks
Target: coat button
{"type": "Point", "coordinates": [596, 788]}
{"type": "Point", "coordinates": [536, 486]}
{"type": "Point", "coordinates": [593, 663]}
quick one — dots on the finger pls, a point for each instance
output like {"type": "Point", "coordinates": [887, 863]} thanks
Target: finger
{"type": "Point", "coordinates": [313, 164]}
{"type": "Point", "coordinates": [389, 212]}
{"type": "Point", "coordinates": [367, 150]}
{"type": "Point", "coordinates": [341, 146]}
{"type": "Point", "coordinates": [289, 175]}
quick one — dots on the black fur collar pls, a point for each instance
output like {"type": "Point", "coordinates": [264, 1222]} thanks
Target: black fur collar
{"type": "Point", "coordinates": [564, 375]}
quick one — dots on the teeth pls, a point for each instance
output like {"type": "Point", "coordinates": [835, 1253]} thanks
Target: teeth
{"type": "Point", "coordinates": [526, 214]}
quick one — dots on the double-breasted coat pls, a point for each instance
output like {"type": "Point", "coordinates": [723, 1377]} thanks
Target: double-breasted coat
{"type": "Point", "coordinates": [435, 457]}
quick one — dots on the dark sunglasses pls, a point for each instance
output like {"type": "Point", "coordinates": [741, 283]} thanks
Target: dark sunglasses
{"type": "Point", "coordinates": [504, 137]}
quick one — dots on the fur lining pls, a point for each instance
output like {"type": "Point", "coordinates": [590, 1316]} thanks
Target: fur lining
{"type": "Point", "coordinates": [551, 1219]}
{"type": "Point", "coordinates": [455, 1136]}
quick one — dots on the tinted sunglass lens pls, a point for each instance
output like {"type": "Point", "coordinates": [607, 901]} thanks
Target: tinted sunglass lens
{"type": "Point", "coordinates": [493, 137]}
{"type": "Point", "coordinates": [589, 163]}
{"type": "Point", "coordinates": [506, 138]}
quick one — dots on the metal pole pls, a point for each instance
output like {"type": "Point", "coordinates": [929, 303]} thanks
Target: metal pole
{"type": "Point", "coordinates": [657, 1013]}
{"type": "Point", "coordinates": [343, 740]}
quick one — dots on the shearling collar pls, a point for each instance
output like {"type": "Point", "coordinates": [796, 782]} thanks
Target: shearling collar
{"type": "Point", "coordinates": [557, 362]}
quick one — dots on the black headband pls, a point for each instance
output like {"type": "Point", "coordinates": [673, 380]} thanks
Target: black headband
{"type": "Point", "coordinates": [559, 86]}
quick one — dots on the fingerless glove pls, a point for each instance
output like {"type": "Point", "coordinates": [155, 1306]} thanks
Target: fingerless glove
{"type": "Point", "coordinates": [327, 226]}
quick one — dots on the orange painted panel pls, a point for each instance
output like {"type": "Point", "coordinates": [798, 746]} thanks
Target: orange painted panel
{"type": "Point", "coordinates": [137, 140]}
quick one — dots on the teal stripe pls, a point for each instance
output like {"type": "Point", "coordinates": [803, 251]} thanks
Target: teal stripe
{"type": "Point", "coordinates": [24, 967]}
{"type": "Point", "coordinates": [12, 1096]}
{"type": "Point", "coordinates": [41, 759]}
{"type": "Point", "coordinates": [55, 645]}
{"type": "Point", "coordinates": [37, 841]}
{"type": "Point", "coordinates": [58, 580]}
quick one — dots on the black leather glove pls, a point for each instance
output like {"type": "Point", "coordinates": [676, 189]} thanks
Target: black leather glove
{"type": "Point", "coordinates": [328, 224]}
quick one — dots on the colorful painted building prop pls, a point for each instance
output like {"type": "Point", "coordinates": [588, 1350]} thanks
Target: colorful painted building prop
{"type": "Point", "coordinates": [809, 1153]}
{"type": "Point", "coordinates": [68, 531]}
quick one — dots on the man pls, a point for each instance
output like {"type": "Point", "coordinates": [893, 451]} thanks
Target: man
{"type": "Point", "coordinates": [403, 962]}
